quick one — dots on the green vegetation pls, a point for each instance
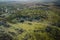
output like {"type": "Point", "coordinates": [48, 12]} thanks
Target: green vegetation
{"type": "Point", "coordinates": [35, 23]}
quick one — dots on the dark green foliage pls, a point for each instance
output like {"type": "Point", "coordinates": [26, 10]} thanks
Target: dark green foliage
{"type": "Point", "coordinates": [48, 29]}
{"type": "Point", "coordinates": [12, 33]}
{"type": "Point", "coordinates": [30, 23]}
{"type": "Point", "coordinates": [20, 31]}
{"type": "Point", "coordinates": [53, 33]}
{"type": "Point", "coordinates": [56, 24]}
{"type": "Point", "coordinates": [21, 21]}
{"type": "Point", "coordinates": [5, 24]}
{"type": "Point", "coordinates": [5, 36]}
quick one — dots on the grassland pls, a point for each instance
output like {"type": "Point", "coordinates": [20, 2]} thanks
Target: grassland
{"type": "Point", "coordinates": [35, 23]}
